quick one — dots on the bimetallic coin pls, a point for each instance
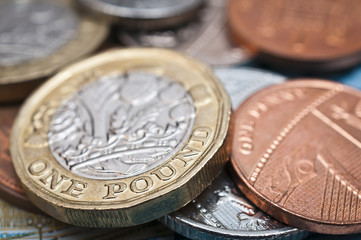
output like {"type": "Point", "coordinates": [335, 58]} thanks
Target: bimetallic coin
{"type": "Point", "coordinates": [122, 138]}
{"type": "Point", "coordinates": [296, 151]}
{"type": "Point", "coordinates": [314, 35]}
{"type": "Point", "coordinates": [222, 211]}
{"type": "Point", "coordinates": [143, 14]}
{"type": "Point", "coordinates": [205, 38]}
{"type": "Point", "coordinates": [37, 37]}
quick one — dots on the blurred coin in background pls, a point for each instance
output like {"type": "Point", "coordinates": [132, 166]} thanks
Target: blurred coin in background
{"type": "Point", "coordinates": [205, 38]}
{"type": "Point", "coordinates": [142, 14]}
{"type": "Point", "coordinates": [314, 35]}
{"type": "Point", "coordinates": [37, 37]}
{"type": "Point", "coordinates": [296, 151]}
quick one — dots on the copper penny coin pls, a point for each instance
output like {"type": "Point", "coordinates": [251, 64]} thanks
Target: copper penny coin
{"type": "Point", "coordinates": [10, 188]}
{"type": "Point", "coordinates": [311, 35]}
{"type": "Point", "coordinates": [296, 154]}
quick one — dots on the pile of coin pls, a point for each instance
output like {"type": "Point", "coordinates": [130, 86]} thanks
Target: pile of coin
{"type": "Point", "coordinates": [150, 119]}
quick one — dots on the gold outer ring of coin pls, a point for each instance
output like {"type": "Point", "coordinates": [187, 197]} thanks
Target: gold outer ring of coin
{"type": "Point", "coordinates": [123, 202]}
{"type": "Point", "coordinates": [17, 81]}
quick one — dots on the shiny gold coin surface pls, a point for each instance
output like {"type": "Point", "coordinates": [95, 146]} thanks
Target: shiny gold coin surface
{"type": "Point", "coordinates": [122, 138]}
{"type": "Point", "coordinates": [37, 38]}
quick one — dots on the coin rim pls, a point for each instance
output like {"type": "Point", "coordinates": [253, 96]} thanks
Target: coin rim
{"type": "Point", "coordinates": [278, 212]}
{"type": "Point", "coordinates": [141, 14]}
{"type": "Point", "coordinates": [189, 186]}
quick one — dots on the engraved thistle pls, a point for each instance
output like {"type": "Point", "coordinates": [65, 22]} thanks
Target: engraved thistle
{"type": "Point", "coordinates": [121, 125]}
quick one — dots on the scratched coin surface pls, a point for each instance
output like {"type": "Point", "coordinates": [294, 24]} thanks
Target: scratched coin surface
{"type": "Point", "coordinates": [205, 38]}
{"type": "Point", "coordinates": [296, 151]}
{"type": "Point", "coordinates": [10, 188]}
{"type": "Point", "coordinates": [223, 212]}
{"type": "Point", "coordinates": [99, 143]}
{"type": "Point", "coordinates": [312, 35]}
{"type": "Point", "coordinates": [38, 37]}
{"type": "Point", "coordinates": [143, 14]}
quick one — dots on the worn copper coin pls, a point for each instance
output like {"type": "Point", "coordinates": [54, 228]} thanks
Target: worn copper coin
{"type": "Point", "coordinates": [311, 35]}
{"type": "Point", "coordinates": [10, 189]}
{"type": "Point", "coordinates": [296, 150]}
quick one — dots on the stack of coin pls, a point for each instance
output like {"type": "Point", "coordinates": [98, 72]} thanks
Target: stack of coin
{"type": "Point", "coordinates": [138, 139]}
{"type": "Point", "coordinates": [37, 38]}
{"type": "Point", "coordinates": [122, 138]}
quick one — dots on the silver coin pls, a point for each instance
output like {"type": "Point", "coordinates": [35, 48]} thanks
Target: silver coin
{"type": "Point", "coordinates": [143, 9]}
{"type": "Point", "coordinates": [121, 126]}
{"type": "Point", "coordinates": [223, 212]}
{"type": "Point", "coordinates": [241, 83]}
{"type": "Point", "coordinates": [33, 29]}
{"type": "Point", "coordinates": [206, 38]}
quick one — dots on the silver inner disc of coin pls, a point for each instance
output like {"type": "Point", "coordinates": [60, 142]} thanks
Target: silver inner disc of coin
{"type": "Point", "coordinates": [30, 30]}
{"type": "Point", "coordinates": [121, 126]}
